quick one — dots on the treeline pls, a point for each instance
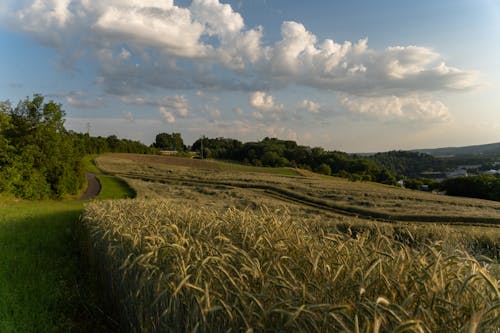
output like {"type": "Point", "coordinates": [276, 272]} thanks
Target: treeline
{"type": "Point", "coordinates": [481, 187]}
{"type": "Point", "coordinates": [412, 164]}
{"type": "Point", "coordinates": [279, 153]}
{"type": "Point", "coordinates": [98, 144]}
{"type": "Point", "coordinates": [39, 158]}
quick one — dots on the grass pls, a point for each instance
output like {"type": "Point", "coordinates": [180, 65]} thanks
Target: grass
{"type": "Point", "coordinates": [38, 291]}
{"type": "Point", "coordinates": [356, 198]}
{"type": "Point", "coordinates": [232, 166]}
{"type": "Point", "coordinates": [114, 188]}
{"type": "Point", "coordinates": [41, 286]}
{"type": "Point", "coordinates": [89, 164]}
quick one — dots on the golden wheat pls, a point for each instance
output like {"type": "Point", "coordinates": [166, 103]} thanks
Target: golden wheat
{"type": "Point", "coordinates": [169, 267]}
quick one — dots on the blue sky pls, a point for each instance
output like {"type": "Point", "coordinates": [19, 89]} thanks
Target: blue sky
{"type": "Point", "coordinates": [355, 76]}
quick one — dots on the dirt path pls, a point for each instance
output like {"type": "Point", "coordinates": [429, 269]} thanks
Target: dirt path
{"type": "Point", "coordinates": [93, 186]}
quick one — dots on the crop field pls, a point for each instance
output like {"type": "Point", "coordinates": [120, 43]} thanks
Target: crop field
{"type": "Point", "coordinates": [361, 199]}
{"type": "Point", "coordinates": [209, 248]}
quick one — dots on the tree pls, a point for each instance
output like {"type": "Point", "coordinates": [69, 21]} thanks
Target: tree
{"type": "Point", "coordinates": [324, 169]}
{"type": "Point", "coordinates": [167, 141]}
{"type": "Point", "coordinates": [37, 155]}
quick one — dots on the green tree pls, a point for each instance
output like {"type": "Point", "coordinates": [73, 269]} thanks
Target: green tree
{"type": "Point", "coordinates": [324, 169]}
{"type": "Point", "coordinates": [168, 141]}
{"type": "Point", "coordinates": [40, 158]}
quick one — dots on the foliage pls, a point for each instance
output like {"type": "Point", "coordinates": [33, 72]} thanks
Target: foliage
{"type": "Point", "coordinates": [410, 164]}
{"type": "Point", "coordinates": [97, 145]}
{"type": "Point", "coordinates": [324, 169]}
{"type": "Point", "coordinates": [482, 186]}
{"type": "Point", "coordinates": [273, 152]}
{"type": "Point", "coordinates": [168, 267]}
{"type": "Point", "coordinates": [38, 158]}
{"type": "Point", "coordinates": [413, 164]}
{"type": "Point", "coordinates": [167, 141]}
{"type": "Point", "coordinates": [418, 183]}
{"type": "Point", "coordinates": [221, 148]}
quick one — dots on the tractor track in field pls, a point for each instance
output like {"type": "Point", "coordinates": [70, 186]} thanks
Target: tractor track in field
{"type": "Point", "coordinates": [298, 198]}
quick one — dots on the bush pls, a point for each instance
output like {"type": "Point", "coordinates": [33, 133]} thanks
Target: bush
{"type": "Point", "coordinates": [324, 169]}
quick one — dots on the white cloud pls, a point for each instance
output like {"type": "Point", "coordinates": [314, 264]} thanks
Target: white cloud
{"type": "Point", "coordinates": [219, 19]}
{"type": "Point", "coordinates": [170, 29]}
{"type": "Point", "coordinates": [409, 108]}
{"type": "Point", "coordinates": [309, 106]}
{"type": "Point", "coordinates": [124, 54]}
{"type": "Point", "coordinates": [263, 102]}
{"type": "Point", "coordinates": [357, 69]}
{"type": "Point", "coordinates": [257, 115]}
{"type": "Point", "coordinates": [177, 104]}
{"type": "Point", "coordinates": [56, 14]}
{"type": "Point", "coordinates": [167, 115]}
{"type": "Point", "coordinates": [186, 48]}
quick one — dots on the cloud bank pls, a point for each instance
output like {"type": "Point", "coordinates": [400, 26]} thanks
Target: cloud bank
{"type": "Point", "coordinates": [155, 43]}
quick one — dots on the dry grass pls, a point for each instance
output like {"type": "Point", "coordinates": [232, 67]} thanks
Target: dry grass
{"type": "Point", "coordinates": [360, 198]}
{"type": "Point", "coordinates": [168, 267]}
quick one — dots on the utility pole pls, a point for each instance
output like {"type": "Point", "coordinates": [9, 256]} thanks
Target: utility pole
{"type": "Point", "coordinates": [201, 151]}
{"type": "Point", "coordinates": [88, 128]}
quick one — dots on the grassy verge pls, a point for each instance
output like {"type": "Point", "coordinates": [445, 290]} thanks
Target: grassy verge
{"type": "Point", "coordinates": [89, 164]}
{"type": "Point", "coordinates": [41, 284]}
{"type": "Point", "coordinates": [114, 188]}
{"type": "Point", "coordinates": [38, 282]}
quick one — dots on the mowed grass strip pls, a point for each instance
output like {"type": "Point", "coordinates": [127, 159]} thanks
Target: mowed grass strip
{"type": "Point", "coordinates": [39, 267]}
{"type": "Point", "coordinates": [114, 188]}
{"type": "Point", "coordinates": [40, 278]}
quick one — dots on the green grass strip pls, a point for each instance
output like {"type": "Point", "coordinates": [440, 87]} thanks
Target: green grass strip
{"type": "Point", "coordinates": [40, 275]}
{"type": "Point", "coordinates": [114, 188]}
{"type": "Point", "coordinates": [38, 268]}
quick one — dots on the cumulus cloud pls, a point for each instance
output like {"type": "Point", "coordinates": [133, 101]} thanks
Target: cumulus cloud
{"type": "Point", "coordinates": [309, 106]}
{"type": "Point", "coordinates": [357, 69]}
{"type": "Point", "coordinates": [408, 108]}
{"type": "Point", "coordinates": [177, 104]}
{"type": "Point", "coordinates": [189, 47]}
{"type": "Point", "coordinates": [263, 102]}
{"type": "Point", "coordinates": [168, 116]}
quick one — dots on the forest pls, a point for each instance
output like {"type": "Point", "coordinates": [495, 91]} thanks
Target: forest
{"type": "Point", "coordinates": [274, 152]}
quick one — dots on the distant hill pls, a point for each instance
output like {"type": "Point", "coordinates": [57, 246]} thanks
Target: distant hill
{"type": "Point", "coordinates": [486, 150]}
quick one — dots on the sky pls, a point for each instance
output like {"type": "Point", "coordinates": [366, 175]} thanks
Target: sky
{"type": "Point", "coordinates": [355, 76]}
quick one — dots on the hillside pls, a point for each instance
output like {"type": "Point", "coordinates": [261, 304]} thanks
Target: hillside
{"type": "Point", "coordinates": [485, 150]}
{"type": "Point", "coordinates": [226, 247]}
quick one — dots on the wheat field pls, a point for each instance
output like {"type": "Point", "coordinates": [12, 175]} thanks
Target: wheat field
{"type": "Point", "coordinates": [197, 253]}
